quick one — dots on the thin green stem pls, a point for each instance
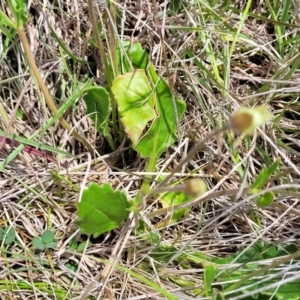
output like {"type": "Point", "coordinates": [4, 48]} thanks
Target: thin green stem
{"type": "Point", "coordinates": [244, 17]}
{"type": "Point", "coordinates": [106, 68]}
{"type": "Point", "coordinates": [145, 188]}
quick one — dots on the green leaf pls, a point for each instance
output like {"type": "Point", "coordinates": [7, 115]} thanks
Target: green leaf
{"type": "Point", "coordinates": [82, 246]}
{"type": "Point", "coordinates": [73, 244]}
{"type": "Point", "coordinates": [6, 21]}
{"type": "Point", "coordinates": [236, 158]}
{"type": "Point", "coordinates": [135, 99]}
{"type": "Point", "coordinates": [101, 209]}
{"type": "Point", "coordinates": [171, 199]}
{"type": "Point", "coordinates": [51, 245]}
{"type": "Point", "coordinates": [38, 243]}
{"type": "Point", "coordinates": [18, 8]}
{"type": "Point", "coordinates": [46, 241]}
{"type": "Point", "coordinates": [209, 276]}
{"type": "Point", "coordinates": [131, 55]}
{"type": "Point", "coordinates": [20, 114]}
{"type": "Point", "coordinates": [71, 265]}
{"type": "Point", "coordinates": [47, 236]}
{"type": "Point", "coordinates": [265, 199]}
{"type": "Point", "coordinates": [138, 55]}
{"type": "Point", "coordinates": [10, 235]}
{"type": "Point", "coordinates": [155, 238]}
{"type": "Point", "coordinates": [162, 132]}
{"type": "Point", "coordinates": [98, 107]}
{"type": "Point", "coordinates": [7, 235]}
{"type": "Point", "coordinates": [265, 174]}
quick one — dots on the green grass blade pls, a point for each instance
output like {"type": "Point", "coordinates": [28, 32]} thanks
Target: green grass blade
{"type": "Point", "coordinates": [34, 144]}
{"type": "Point", "coordinates": [71, 101]}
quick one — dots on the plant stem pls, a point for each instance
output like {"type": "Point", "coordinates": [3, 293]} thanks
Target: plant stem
{"type": "Point", "coordinates": [44, 89]}
{"type": "Point", "coordinates": [106, 68]}
{"type": "Point", "coordinates": [150, 167]}
{"type": "Point", "coordinates": [112, 40]}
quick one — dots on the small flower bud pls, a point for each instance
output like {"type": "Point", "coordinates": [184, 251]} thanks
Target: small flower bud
{"type": "Point", "coordinates": [245, 120]}
{"type": "Point", "coordinates": [194, 187]}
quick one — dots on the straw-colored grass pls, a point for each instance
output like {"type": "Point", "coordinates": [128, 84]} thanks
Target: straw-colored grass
{"type": "Point", "coordinates": [217, 56]}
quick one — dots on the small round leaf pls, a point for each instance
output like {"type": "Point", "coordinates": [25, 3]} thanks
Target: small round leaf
{"type": "Point", "coordinates": [38, 243]}
{"type": "Point", "coordinates": [51, 245]}
{"type": "Point", "coordinates": [9, 235]}
{"type": "Point", "coordinates": [73, 244]}
{"type": "Point", "coordinates": [82, 246]}
{"type": "Point", "coordinates": [47, 237]}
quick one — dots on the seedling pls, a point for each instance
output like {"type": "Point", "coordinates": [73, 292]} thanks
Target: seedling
{"type": "Point", "coordinates": [261, 180]}
{"type": "Point", "coordinates": [147, 111]}
{"type": "Point", "coordinates": [76, 247]}
{"type": "Point", "coordinates": [46, 241]}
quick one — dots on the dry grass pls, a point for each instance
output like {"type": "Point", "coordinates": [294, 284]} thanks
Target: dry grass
{"type": "Point", "coordinates": [215, 74]}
